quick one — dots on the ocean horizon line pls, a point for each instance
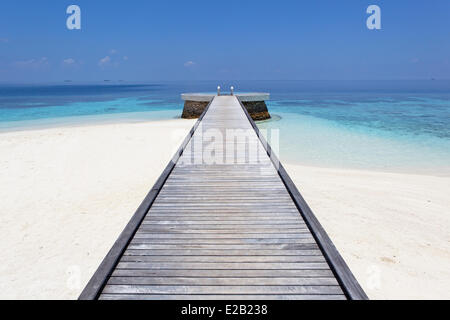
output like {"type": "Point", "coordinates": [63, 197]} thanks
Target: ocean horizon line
{"type": "Point", "coordinates": [69, 81]}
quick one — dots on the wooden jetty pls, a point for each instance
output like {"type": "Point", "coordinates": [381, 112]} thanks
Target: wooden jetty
{"type": "Point", "coordinates": [222, 230]}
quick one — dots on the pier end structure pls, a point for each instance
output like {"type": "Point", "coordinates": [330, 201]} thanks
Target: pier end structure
{"type": "Point", "coordinates": [254, 102]}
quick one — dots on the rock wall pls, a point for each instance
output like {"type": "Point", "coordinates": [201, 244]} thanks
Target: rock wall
{"type": "Point", "coordinates": [256, 109]}
{"type": "Point", "coordinates": [193, 109]}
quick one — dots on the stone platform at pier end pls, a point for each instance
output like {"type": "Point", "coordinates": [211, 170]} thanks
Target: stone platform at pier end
{"type": "Point", "coordinates": [254, 102]}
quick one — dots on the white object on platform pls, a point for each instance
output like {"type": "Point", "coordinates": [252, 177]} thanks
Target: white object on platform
{"type": "Point", "coordinates": [248, 96]}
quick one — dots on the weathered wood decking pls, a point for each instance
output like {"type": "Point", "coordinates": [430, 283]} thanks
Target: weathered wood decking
{"type": "Point", "coordinates": [226, 227]}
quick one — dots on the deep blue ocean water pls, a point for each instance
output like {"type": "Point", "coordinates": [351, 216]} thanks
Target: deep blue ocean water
{"type": "Point", "coordinates": [381, 125]}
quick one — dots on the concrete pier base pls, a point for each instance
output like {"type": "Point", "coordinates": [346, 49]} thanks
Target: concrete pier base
{"type": "Point", "coordinates": [195, 104]}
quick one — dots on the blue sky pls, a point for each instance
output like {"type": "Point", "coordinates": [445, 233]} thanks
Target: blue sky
{"type": "Point", "coordinates": [200, 40]}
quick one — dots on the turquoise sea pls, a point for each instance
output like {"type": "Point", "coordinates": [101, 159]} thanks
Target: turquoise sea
{"type": "Point", "coordinates": [400, 126]}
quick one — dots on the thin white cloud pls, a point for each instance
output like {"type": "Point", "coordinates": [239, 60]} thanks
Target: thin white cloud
{"type": "Point", "coordinates": [32, 63]}
{"type": "Point", "coordinates": [69, 61]}
{"type": "Point", "coordinates": [415, 60]}
{"type": "Point", "coordinates": [112, 59]}
{"type": "Point", "coordinates": [4, 40]}
{"type": "Point", "coordinates": [188, 64]}
{"type": "Point", "coordinates": [104, 61]}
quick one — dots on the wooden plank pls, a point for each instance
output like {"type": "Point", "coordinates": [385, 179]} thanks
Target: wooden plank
{"type": "Point", "coordinates": [218, 259]}
{"type": "Point", "coordinates": [293, 281]}
{"type": "Point", "coordinates": [300, 273]}
{"type": "Point", "coordinates": [174, 230]}
{"type": "Point", "coordinates": [218, 241]}
{"type": "Point", "coordinates": [260, 227]}
{"type": "Point", "coordinates": [226, 217]}
{"type": "Point", "coordinates": [226, 246]}
{"type": "Point", "coordinates": [223, 222]}
{"type": "Point", "coordinates": [211, 253]}
{"type": "Point", "coordinates": [162, 289]}
{"type": "Point", "coordinates": [224, 297]}
{"type": "Point", "coordinates": [197, 236]}
{"type": "Point", "coordinates": [227, 204]}
{"type": "Point", "coordinates": [222, 265]}
{"type": "Point", "coordinates": [216, 198]}
{"type": "Point", "coordinates": [237, 231]}
{"type": "Point", "coordinates": [223, 211]}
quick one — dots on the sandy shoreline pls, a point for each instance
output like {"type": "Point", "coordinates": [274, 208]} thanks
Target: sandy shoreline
{"type": "Point", "coordinates": [67, 193]}
{"type": "Point", "coordinates": [59, 184]}
{"type": "Point", "coordinates": [392, 229]}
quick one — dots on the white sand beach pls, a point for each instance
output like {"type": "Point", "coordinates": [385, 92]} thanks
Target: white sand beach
{"type": "Point", "coordinates": [393, 230]}
{"type": "Point", "coordinates": [67, 193]}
